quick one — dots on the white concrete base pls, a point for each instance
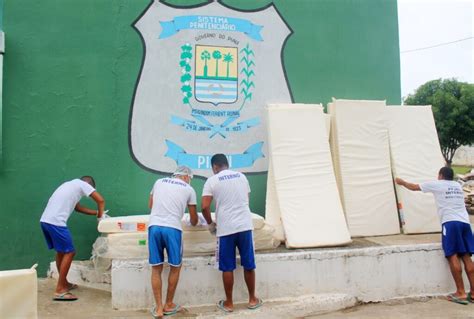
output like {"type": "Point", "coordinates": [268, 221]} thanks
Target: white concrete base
{"type": "Point", "coordinates": [369, 274]}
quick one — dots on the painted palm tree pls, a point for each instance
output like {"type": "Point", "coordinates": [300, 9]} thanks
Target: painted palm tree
{"type": "Point", "coordinates": [217, 55]}
{"type": "Point", "coordinates": [228, 58]}
{"type": "Point", "coordinates": [205, 55]}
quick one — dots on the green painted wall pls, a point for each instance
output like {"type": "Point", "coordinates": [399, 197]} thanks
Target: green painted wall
{"type": "Point", "coordinates": [69, 77]}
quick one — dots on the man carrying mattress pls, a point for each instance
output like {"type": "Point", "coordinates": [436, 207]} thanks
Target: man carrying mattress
{"type": "Point", "coordinates": [234, 226]}
{"type": "Point", "coordinates": [168, 201]}
{"type": "Point", "coordinates": [61, 204]}
{"type": "Point", "coordinates": [457, 237]}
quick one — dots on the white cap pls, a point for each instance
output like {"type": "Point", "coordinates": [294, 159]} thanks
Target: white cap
{"type": "Point", "coordinates": [183, 171]}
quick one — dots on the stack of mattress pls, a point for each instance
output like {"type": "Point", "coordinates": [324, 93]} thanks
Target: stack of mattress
{"type": "Point", "coordinates": [416, 157]}
{"type": "Point", "coordinates": [127, 237]}
{"type": "Point", "coordinates": [361, 155]}
{"type": "Point", "coordinates": [302, 197]}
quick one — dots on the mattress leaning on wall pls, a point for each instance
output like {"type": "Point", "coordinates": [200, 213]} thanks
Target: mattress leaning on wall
{"type": "Point", "coordinates": [416, 157]}
{"type": "Point", "coordinates": [305, 185]}
{"type": "Point", "coordinates": [360, 144]}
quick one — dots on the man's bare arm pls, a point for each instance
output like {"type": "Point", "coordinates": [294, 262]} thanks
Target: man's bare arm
{"type": "Point", "coordinates": [193, 214]}
{"type": "Point", "coordinates": [206, 208]}
{"type": "Point", "coordinates": [410, 186]}
{"type": "Point", "coordinates": [84, 210]}
{"type": "Point", "coordinates": [150, 202]}
{"type": "Point", "coordinates": [100, 203]}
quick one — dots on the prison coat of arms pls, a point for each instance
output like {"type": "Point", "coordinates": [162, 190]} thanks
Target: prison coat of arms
{"type": "Point", "coordinates": [207, 74]}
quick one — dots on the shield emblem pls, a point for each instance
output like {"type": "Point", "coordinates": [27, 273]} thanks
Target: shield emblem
{"type": "Point", "coordinates": [211, 84]}
{"type": "Point", "coordinates": [207, 73]}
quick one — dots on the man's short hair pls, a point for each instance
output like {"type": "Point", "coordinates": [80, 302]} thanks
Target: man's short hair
{"type": "Point", "coordinates": [219, 160]}
{"type": "Point", "coordinates": [88, 179]}
{"type": "Point", "coordinates": [447, 173]}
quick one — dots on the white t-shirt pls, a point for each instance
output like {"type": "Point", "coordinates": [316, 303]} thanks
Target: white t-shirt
{"type": "Point", "coordinates": [449, 198]}
{"type": "Point", "coordinates": [61, 204]}
{"type": "Point", "coordinates": [171, 196]}
{"type": "Point", "coordinates": [231, 191]}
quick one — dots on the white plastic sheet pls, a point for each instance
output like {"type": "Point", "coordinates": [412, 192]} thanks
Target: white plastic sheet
{"type": "Point", "coordinates": [360, 145]}
{"type": "Point", "coordinates": [416, 157]}
{"type": "Point", "coordinates": [195, 243]}
{"type": "Point", "coordinates": [303, 177]}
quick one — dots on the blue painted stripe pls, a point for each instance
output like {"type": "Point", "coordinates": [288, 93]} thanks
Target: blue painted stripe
{"type": "Point", "coordinates": [214, 89]}
{"type": "Point", "coordinates": [218, 97]}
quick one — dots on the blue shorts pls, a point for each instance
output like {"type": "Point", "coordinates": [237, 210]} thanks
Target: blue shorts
{"type": "Point", "coordinates": [225, 252]}
{"type": "Point", "coordinates": [58, 237]}
{"type": "Point", "coordinates": [457, 239]}
{"type": "Point", "coordinates": [161, 238]}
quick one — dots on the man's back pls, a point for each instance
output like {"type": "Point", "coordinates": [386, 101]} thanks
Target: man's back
{"type": "Point", "coordinates": [449, 198]}
{"type": "Point", "coordinates": [170, 199]}
{"type": "Point", "coordinates": [61, 204]}
{"type": "Point", "coordinates": [230, 190]}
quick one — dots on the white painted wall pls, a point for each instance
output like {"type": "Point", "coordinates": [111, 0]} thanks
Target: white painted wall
{"type": "Point", "coordinates": [369, 274]}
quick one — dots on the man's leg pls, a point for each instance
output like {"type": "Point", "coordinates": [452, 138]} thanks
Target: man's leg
{"type": "Point", "coordinates": [456, 271]}
{"type": "Point", "coordinates": [63, 270]}
{"type": "Point", "coordinates": [173, 279]}
{"type": "Point", "coordinates": [247, 258]}
{"type": "Point", "coordinates": [249, 276]}
{"type": "Point", "coordinates": [59, 258]}
{"type": "Point", "coordinates": [469, 267]}
{"type": "Point", "coordinates": [156, 286]}
{"type": "Point", "coordinates": [228, 279]}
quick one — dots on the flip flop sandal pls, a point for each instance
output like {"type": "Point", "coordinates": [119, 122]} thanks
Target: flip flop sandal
{"type": "Point", "coordinates": [154, 315]}
{"type": "Point", "coordinates": [174, 311]}
{"type": "Point", "coordinates": [64, 297]}
{"type": "Point", "coordinates": [470, 298]}
{"type": "Point", "coordinates": [455, 299]}
{"type": "Point", "coordinates": [220, 305]}
{"type": "Point", "coordinates": [257, 305]}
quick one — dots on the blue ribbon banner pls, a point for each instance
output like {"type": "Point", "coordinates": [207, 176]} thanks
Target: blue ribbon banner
{"type": "Point", "coordinates": [217, 23]}
{"type": "Point", "coordinates": [202, 161]}
{"type": "Point", "coordinates": [220, 129]}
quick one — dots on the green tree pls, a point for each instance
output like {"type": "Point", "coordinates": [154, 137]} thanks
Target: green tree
{"type": "Point", "coordinates": [217, 56]}
{"type": "Point", "coordinates": [205, 55]}
{"type": "Point", "coordinates": [228, 58]}
{"type": "Point", "coordinates": [453, 109]}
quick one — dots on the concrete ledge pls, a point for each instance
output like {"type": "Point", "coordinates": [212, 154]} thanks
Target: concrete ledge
{"type": "Point", "coordinates": [284, 307]}
{"type": "Point", "coordinates": [370, 274]}
{"type": "Point", "coordinates": [84, 274]}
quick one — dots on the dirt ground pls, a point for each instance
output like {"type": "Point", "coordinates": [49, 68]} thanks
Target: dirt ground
{"type": "Point", "coordinates": [96, 304]}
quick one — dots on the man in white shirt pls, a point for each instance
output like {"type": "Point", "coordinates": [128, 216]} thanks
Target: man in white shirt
{"type": "Point", "coordinates": [233, 227]}
{"type": "Point", "coordinates": [168, 201]}
{"type": "Point", "coordinates": [457, 237]}
{"type": "Point", "coordinates": [61, 204]}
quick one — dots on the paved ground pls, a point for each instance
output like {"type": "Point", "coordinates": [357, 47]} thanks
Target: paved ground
{"type": "Point", "coordinates": [416, 309]}
{"type": "Point", "coordinates": [96, 304]}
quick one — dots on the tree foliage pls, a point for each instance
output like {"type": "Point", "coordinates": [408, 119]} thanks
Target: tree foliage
{"type": "Point", "coordinates": [453, 109]}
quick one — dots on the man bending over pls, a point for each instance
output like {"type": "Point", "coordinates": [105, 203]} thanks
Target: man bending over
{"type": "Point", "coordinates": [61, 204]}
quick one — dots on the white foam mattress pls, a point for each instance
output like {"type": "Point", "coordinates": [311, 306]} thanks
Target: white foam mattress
{"type": "Point", "coordinates": [416, 157]}
{"type": "Point", "coordinates": [360, 144]}
{"type": "Point", "coordinates": [135, 245]}
{"type": "Point", "coordinates": [134, 223]}
{"type": "Point", "coordinates": [303, 177]}
{"type": "Point", "coordinates": [18, 293]}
